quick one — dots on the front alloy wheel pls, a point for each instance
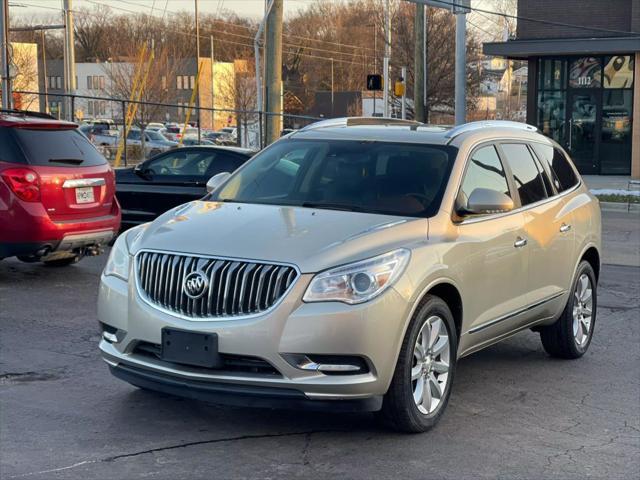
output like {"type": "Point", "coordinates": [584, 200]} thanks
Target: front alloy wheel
{"type": "Point", "coordinates": [430, 370]}
{"type": "Point", "coordinates": [421, 383]}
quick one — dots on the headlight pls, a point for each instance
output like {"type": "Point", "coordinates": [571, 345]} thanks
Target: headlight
{"type": "Point", "coordinates": [118, 263]}
{"type": "Point", "coordinates": [360, 281]}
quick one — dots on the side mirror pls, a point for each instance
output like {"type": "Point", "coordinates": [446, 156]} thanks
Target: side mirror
{"type": "Point", "coordinates": [217, 180]}
{"type": "Point", "coordinates": [483, 201]}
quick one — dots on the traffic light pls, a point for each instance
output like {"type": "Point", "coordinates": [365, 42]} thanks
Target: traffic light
{"type": "Point", "coordinates": [398, 89]}
{"type": "Point", "coordinates": [374, 82]}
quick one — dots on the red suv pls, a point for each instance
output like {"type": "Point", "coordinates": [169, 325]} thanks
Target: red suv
{"type": "Point", "coordinates": [57, 193]}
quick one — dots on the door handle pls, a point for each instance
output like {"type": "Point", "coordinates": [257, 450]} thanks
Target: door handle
{"type": "Point", "coordinates": [520, 242]}
{"type": "Point", "coordinates": [564, 228]}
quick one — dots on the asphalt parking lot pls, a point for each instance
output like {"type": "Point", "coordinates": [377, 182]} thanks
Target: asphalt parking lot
{"type": "Point", "coordinates": [514, 412]}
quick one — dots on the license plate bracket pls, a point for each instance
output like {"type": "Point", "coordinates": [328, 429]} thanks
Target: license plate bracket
{"type": "Point", "coordinates": [190, 348]}
{"type": "Point", "coordinates": [85, 195]}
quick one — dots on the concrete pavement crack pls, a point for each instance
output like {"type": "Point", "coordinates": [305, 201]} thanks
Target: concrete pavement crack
{"type": "Point", "coordinates": [113, 458]}
{"type": "Point", "coordinates": [216, 440]}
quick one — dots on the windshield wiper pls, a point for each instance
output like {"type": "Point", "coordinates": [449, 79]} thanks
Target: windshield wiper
{"type": "Point", "coordinates": [72, 161]}
{"type": "Point", "coordinates": [332, 206]}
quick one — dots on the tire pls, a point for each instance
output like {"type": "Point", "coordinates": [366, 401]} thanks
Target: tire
{"type": "Point", "coordinates": [563, 339]}
{"type": "Point", "coordinates": [28, 258]}
{"type": "Point", "coordinates": [399, 408]}
{"type": "Point", "coordinates": [62, 262]}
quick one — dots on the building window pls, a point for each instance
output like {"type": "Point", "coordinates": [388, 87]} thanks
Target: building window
{"type": "Point", "coordinates": [179, 82]}
{"type": "Point", "coordinates": [585, 72]}
{"type": "Point", "coordinates": [192, 82]}
{"type": "Point", "coordinates": [163, 82]}
{"type": "Point", "coordinates": [618, 71]}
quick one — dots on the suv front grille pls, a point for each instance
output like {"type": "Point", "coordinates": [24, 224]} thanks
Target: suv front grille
{"type": "Point", "coordinates": [229, 288]}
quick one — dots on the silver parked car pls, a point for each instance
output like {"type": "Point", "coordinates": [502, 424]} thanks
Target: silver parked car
{"type": "Point", "coordinates": [351, 264]}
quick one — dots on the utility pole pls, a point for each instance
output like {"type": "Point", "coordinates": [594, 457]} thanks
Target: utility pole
{"type": "Point", "coordinates": [332, 90]}
{"type": "Point", "coordinates": [404, 93]}
{"type": "Point", "coordinates": [273, 72]}
{"type": "Point", "coordinates": [461, 65]}
{"type": "Point", "coordinates": [419, 63]}
{"type": "Point", "coordinates": [387, 55]}
{"type": "Point", "coordinates": [213, 90]}
{"type": "Point", "coordinates": [425, 64]}
{"type": "Point", "coordinates": [459, 8]}
{"type": "Point", "coordinates": [198, 69]}
{"type": "Point", "coordinates": [69, 58]}
{"type": "Point", "coordinates": [44, 73]}
{"type": "Point", "coordinates": [4, 55]}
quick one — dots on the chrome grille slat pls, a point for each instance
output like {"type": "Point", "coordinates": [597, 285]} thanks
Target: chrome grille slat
{"type": "Point", "coordinates": [235, 288]}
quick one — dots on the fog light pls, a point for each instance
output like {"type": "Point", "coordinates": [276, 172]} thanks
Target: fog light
{"type": "Point", "coordinates": [328, 364]}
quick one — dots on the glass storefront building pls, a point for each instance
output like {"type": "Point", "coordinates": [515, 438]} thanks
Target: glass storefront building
{"type": "Point", "coordinates": [585, 103]}
{"type": "Point", "coordinates": [583, 59]}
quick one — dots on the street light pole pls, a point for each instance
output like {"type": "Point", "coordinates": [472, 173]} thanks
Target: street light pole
{"type": "Point", "coordinates": [4, 54]}
{"type": "Point", "coordinates": [387, 56]}
{"type": "Point", "coordinates": [198, 69]}
{"type": "Point", "coordinates": [70, 58]}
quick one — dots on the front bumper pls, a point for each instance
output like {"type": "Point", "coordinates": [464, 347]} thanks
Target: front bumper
{"type": "Point", "coordinates": [237, 394]}
{"type": "Point", "coordinates": [372, 331]}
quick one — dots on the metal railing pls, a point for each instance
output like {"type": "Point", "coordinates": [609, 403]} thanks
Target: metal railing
{"type": "Point", "coordinates": [249, 125]}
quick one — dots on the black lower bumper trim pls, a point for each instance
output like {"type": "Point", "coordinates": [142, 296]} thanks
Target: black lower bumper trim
{"type": "Point", "coordinates": [238, 395]}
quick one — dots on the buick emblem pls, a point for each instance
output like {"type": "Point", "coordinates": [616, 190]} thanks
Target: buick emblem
{"type": "Point", "coordinates": [195, 285]}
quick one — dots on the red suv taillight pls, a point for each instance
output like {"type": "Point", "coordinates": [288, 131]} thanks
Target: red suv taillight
{"type": "Point", "coordinates": [24, 182]}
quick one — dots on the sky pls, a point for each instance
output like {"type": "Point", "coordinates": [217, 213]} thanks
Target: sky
{"type": "Point", "coordinates": [251, 8]}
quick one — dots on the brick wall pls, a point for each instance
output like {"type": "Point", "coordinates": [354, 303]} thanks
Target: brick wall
{"type": "Point", "coordinates": [621, 15]}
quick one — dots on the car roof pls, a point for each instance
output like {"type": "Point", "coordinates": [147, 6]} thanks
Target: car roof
{"type": "Point", "coordinates": [243, 151]}
{"type": "Point", "coordinates": [409, 131]}
{"type": "Point", "coordinates": [33, 121]}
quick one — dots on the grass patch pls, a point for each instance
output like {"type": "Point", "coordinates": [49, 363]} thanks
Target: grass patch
{"type": "Point", "coordinates": [618, 198]}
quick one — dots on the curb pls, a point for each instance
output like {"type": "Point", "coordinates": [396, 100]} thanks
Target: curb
{"type": "Point", "coordinates": [619, 207]}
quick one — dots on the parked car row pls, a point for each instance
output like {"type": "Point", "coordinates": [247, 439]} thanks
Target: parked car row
{"type": "Point", "coordinates": [60, 200]}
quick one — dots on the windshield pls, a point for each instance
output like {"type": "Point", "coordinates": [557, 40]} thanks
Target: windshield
{"type": "Point", "coordinates": [153, 135]}
{"type": "Point", "coordinates": [372, 177]}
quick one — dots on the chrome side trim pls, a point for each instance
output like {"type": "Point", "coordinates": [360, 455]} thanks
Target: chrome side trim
{"type": "Point", "coordinates": [267, 263]}
{"type": "Point", "coordinates": [83, 182]}
{"type": "Point", "coordinates": [493, 322]}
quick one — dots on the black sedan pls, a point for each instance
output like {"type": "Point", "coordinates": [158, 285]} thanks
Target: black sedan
{"type": "Point", "coordinates": [172, 178]}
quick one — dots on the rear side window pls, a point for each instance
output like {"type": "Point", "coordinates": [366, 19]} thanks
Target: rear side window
{"type": "Point", "coordinates": [9, 151]}
{"type": "Point", "coordinates": [564, 177]}
{"type": "Point", "coordinates": [484, 171]}
{"type": "Point", "coordinates": [57, 148]}
{"type": "Point", "coordinates": [527, 176]}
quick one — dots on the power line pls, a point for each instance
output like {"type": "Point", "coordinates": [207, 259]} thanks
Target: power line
{"type": "Point", "coordinates": [251, 30]}
{"type": "Point", "coordinates": [317, 49]}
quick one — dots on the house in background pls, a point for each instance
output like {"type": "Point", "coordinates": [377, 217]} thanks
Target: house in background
{"type": "Point", "coordinates": [583, 81]}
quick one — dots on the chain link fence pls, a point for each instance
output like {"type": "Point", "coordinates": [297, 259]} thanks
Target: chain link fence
{"type": "Point", "coordinates": [157, 126]}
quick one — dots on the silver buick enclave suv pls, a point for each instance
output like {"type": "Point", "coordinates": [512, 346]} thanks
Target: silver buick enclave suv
{"type": "Point", "coordinates": [351, 264]}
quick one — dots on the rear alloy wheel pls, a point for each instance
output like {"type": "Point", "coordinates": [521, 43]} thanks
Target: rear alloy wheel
{"type": "Point", "coordinates": [571, 335]}
{"type": "Point", "coordinates": [421, 384]}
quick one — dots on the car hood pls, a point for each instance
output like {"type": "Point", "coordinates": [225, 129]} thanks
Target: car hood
{"type": "Point", "coordinates": [312, 239]}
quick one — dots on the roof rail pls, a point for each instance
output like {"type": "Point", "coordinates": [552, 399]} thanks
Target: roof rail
{"type": "Point", "coordinates": [27, 113]}
{"type": "Point", "coordinates": [468, 127]}
{"type": "Point", "coordinates": [358, 121]}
